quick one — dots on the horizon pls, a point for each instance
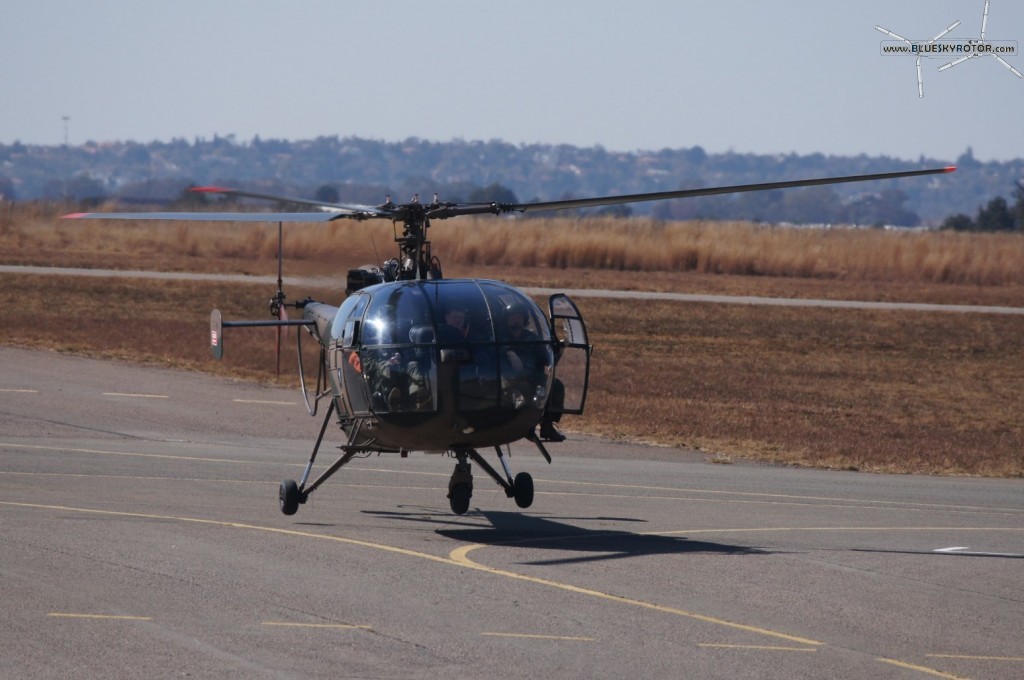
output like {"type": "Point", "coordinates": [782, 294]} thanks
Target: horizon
{"type": "Point", "coordinates": [234, 140]}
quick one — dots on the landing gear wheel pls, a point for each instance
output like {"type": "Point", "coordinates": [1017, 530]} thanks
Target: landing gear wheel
{"type": "Point", "coordinates": [459, 498]}
{"type": "Point", "coordinates": [290, 497]}
{"type": "Point", "coordinates": [522, 489]}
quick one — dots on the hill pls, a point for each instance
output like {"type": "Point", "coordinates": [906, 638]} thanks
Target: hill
{"type": "Point", "coordinates": [365, 171]}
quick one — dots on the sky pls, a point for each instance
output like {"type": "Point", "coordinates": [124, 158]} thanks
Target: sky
{"type": "Point", "coordinates": [750, 76]}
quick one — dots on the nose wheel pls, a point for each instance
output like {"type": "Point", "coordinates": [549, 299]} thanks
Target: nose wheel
{"type": "Point", "coordinates": [522, 490]}
{"type": "Point", "coordinates": [460, 486]}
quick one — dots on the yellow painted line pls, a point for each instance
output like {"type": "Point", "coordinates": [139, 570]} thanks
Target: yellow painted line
{"type": "Point", "coordinates": [459, 556]}
{"type": "Point", "coordinates": [921, 669]}
{"type": "Point", "coordinates": [531, 636]}
{"type": "Point", "coordinates": [884, 505]}
{"type": "Point", "coordinates": [211, 480]}
{"type": "Point", "coordinates": [261, 401]}
{"type": "Point", "coordinates": [340, 626]}
{"type": "Point", "coordinates": [756, 530]}
{"type": "Point", "coordinates": [975, 658]}
{"type": "Point", "coordinates": [456, 558]}
{"type": "Point", "coordinates": [17, 391]}
{"type": "Point", "coordinates": [106, 617]}
{"type": "Point", "coordinates": [138, 396]}
{"type": "Point", "coordinates": [763, 648]}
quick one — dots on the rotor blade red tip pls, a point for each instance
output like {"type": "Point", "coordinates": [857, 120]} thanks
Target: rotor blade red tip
{"type": "Point", "coordinates": [211, 190]}
{"type": "Point", "coordinates": [73, 216]}
{"type": "Point", "coordinates": [950, 168]}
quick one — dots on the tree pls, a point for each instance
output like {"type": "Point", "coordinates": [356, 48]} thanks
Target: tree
{"type": "Point", "coordinates": [1018, 206]}
{"type": "Point", "coordinates": [192, 199]}
{"type": "Point", "coordinates": [6, 189]}
{"type": "Point", "coordinates": [327, 193]}
{"type": "Point", "coordinates": [493, 193]}
{"type": "Point", "coordinates": [995, 216]}
{"type": "Point", "coordinates": [959, 222]}
{"type": "Point", "coordinates": [967, 160]}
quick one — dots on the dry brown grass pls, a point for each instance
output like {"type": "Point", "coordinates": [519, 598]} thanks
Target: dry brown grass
{"type": "Point", "coordinates": [831, 388]}
{"type": "Point", "coordinates": [847, 389]}
{"type": "Point", "coordinates": [32, 236]}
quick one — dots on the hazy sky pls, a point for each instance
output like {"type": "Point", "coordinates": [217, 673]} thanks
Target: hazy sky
{"type": "Point", "coordinates": [745, 75]}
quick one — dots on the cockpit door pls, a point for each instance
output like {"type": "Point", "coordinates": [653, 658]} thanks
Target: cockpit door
{"type": "Point", "coordinates": [572, 367]}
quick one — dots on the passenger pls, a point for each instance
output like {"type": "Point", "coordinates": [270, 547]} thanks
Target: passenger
{"type": "Point", "coordinates": [526, 360]}
{"type": "Point", "coordinates": [390, 380]}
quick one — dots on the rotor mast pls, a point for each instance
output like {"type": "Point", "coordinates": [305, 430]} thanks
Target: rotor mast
{"type": "Point", "coordinates": [416, 263]}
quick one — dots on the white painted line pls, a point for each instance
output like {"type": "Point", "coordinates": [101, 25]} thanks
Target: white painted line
{"type": "Point", "coordinates": [968, 551]}
{"type": "Point", "coordinates": [62, 615]}
{"type": "Point", "coordinates": [342, 626]}
{"type": "Point", "coordinates": [761, 648]}
{"type": "Point", "coordinates": [975, 658]}
{"type": "Point", "coordinates": [18, 391]}
{"type": "Point", "coordinates": [261, 401]}
{"type": "Point", "coordinates": [530, 636]}
{"type": "Point", "coordinates": [137, 396]}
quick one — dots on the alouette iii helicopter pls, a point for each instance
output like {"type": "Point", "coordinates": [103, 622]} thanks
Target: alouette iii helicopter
{"type": "Point", "coordinates": [411, 361]}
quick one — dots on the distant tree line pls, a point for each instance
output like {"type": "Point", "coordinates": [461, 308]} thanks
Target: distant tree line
{"type": "Point", "coordinates": [366, 171]}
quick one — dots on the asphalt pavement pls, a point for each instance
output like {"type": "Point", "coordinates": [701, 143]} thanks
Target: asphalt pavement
{"type": "Point", "coordinates": [142, 539]}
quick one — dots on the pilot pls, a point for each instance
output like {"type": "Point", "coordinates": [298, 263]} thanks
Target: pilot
{"type": "Point", "coordinates": [454, 328]}
{"type": "Point", "coordinates": [528, 361]}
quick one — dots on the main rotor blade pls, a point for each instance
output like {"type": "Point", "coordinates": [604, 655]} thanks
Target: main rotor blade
{"type": "Point", "coordinates": [711, 191]}
{"type": "Point", "coordinates": [323, 205]}
{"type": "Point", "coordinates": [200, 216]}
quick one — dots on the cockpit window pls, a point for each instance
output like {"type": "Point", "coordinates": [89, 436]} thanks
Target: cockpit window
{"type": "Point", "coordinates": [514, 313]}
{"type": "Point", "coordinates": [393, 313]}
{"type": "Point", "coordinates": [461, 312]}
{"type": "Point", "coordinates": [352, 308]}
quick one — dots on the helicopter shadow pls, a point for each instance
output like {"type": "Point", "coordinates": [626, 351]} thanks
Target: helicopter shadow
{"type": "Point", "coordinates": [550, 534]}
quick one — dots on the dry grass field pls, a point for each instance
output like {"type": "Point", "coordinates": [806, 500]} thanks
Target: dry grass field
{"type": "Point", "coordinates": [849, 389]}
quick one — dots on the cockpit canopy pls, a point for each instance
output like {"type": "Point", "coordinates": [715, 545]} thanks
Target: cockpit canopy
{"type": "Point", "coordinates": [478, 349]}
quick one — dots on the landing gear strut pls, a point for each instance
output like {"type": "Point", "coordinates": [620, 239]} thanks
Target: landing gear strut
{"type": "Point", "coordinates": [460, 486]}
{"type": "Point", "coordinates": [292, 493]}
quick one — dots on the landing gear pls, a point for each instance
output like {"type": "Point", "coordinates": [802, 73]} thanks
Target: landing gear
{"type": "Point", "coordinates": [460, 486]}
{"type": "Point", "coordinates": [522, 490]}
{"type": "Point", "coordinates": [290, 497]}
{"type": "Point", "coordinates": [459, 498]}
{"type": "Point", "coordinates": [292, 493]}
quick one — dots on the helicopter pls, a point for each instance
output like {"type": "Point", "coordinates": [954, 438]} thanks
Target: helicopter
{"type": "Point", "coordinates": [412, 361]}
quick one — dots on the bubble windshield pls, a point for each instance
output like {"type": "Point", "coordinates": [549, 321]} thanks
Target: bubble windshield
{"type": "Point", "coordinates": [495, 340]}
